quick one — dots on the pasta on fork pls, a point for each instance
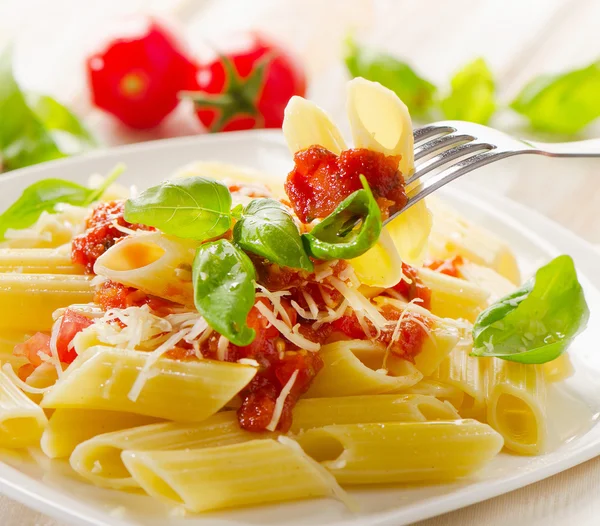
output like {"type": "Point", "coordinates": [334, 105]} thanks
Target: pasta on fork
{"type": "Point", "coordinates": [222, 341]}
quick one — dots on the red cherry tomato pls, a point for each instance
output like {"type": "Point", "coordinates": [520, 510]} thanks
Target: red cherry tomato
{"type": "Point", "coordinates": [136, 76]}
{"type": "Point", "coordinates": [247, 86]}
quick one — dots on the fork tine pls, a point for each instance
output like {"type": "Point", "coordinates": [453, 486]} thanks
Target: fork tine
{"type": "Point", "coordinates": [445, 157]}
{"type": "Point", "coordinates": [449, 174]}
{"type": "Point", "coordinates": [420, 134]}
{"type": "Point", "coordinates": [441, 142]}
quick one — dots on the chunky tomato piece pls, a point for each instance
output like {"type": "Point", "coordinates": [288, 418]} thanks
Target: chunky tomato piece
{"type": "Point", "coordinates": [415, 289]}
{"type": "Point", "coordinates": [101, 233]}
{"type": "Point", "coordinates": [33, 348]}
{"type": "Point", "coordinates": [449, 266]}
{"type": "Point", "coordinates": [113, 295]}
{"type": "Point", "coordinates": [320, 180]}
{"type": "Point", "coordinates": [71, 324]}
{"type": "Point", "coordinates": [405, 342]}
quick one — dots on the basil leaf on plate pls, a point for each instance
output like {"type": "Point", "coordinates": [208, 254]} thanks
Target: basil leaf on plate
{"type": "Point", "coordinates": [190, 207]}
{"type": "Point", "coordinates": [417, 93]}
{"type": "Point", "coordinates": [224, 292]}
{"type": "Point", "coordinates": [350, 230]}
{"type": "Point", "coordinates": [44, 195]}
{"type": "Point", "coordinates": [266, 228]}
{"type": "Point", "coordinates": [472, 94]}
{"type": "Point", "coordinates": [29, 134]}
{"type": "Point", "coordinates": [536, 323]}
{"type": "Point", "coordinates": [564, 103]}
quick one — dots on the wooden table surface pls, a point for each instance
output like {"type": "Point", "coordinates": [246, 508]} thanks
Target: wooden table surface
{"type": "Point", "coordinates": [518, 38]}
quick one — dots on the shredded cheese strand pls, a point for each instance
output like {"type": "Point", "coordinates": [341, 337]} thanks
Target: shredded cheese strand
{"type": "Point", "coordinates": [279, 403]}
{"type": "Point", "coordinates": [285, 331]}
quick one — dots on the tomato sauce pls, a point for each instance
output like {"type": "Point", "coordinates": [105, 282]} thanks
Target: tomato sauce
{"type": "Point", "coordinates": [449, 266]}
{"type": "Point", "coordinates": [415, 289]}
{"type": "Point", "coordinates": [101, 233]}
{"type": "Point", "coordinates": [410, 337]}
{"type": "Point", "coordinates": [320, 180]}
{"type": "Point", "coordinates": [113, 295]}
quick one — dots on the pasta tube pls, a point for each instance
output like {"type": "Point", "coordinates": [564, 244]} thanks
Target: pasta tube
{"type": "Point", "coordinates": [453, 297]}
{"type": "Point", "coordinates": [468, 374]}
{"type": "Point", "coordinates": [317, 412]}
{"type": "Point", "coordinates": [21, 420]}
{"type": "Point", "coordinates": [486, 278]}
{"type": "Point", "coordinates": [69, 427]}
{"type": "Point", "coordinates": [102, 378]}
{"type": "Point", "coordinates": [38, 261]}
{"type": "Point", "coordinates": [453, 235]}
{"type": "Point", "coordinates": [255, 472]}
{"type": "Point", "coordinates": [355, 367]}
{"type": "Point", "coordinates": [27, 301]}
{"type": "Point", "coordinates": [517, 405]}
{"type": "Point", "coordinates": [402, 451]}
{"type": "Point", "coordinates": [558, 369]}
{"type": "Point", "coordinates": [99, 458]}
{"type": "Point", "coordinates": [439, 390]}
{"type": "Point", "coordinates": [153, 263]}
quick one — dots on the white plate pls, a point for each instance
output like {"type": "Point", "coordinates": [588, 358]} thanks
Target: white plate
{"type": "Point", "coordinates": [49, 486]}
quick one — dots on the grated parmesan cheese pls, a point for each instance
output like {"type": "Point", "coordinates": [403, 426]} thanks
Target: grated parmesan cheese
{"type": "Point", "coordinates": [222, 348]}
{"type": "Point", "coordinates": [285, 391]}
{"type": "Point", "coordinates": [290, 334]}
{"type": "Point", "coordinates": [248, 361]}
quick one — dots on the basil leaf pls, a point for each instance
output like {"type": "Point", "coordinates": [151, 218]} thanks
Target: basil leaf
{"type": "Point", "coordinates": [350, 230]}
{"type": "Point", "coordinates": [66, 130]}
{"type": "Point", "coordinates": [472, 95]}
{"type": "Point", "coordinates": [563, 103]}
{"type": "Point", "coordinates": [416, 92]}
{"type": "Point", "coordinates": [224, 293]}
{"type": "Point", "coordinates": [536, 323]}
{"type": "Point", "coordinates": [44, 195]}
{"type": "Point", "coordinates": [29, 135]}
{"type": "Point", "coordinates": [267, 229]}
{"type": "Point", "coordinates": [190, 207]}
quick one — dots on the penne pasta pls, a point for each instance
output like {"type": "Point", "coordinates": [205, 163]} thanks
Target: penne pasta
{"type": "Point", "coordinates": [153, 263]}
{"type": "Point", "coordinates": [21, 420]}
{"type": "Point", "coordinates": [255, 472]}
{"type": "Point", "coordinates": [439, 390]}
{"type": "Point", "coordinates": [468, 374]}
{"type": "Point", "coordinates": [318, 412]}
{"type": "Point", "coordinates": [355, 367]}
{"type": "Point", "coordinates": [27, 301]}
{"type": "Point", "coordinates": [102, 378]}
{"type": "Point", "coordinates": [558, 369]}
{"type": "Point", "coordinates": [38, 261]}
{"type": "Point", "coordinates": [99, 458]}
{"type": "Point", "coordinates": [452, 297]}
{"type": "Point", "coordinates": [442, 335]}
{"type": "Point", "coordinates": [402, 451]}
{"type": "Point", "coordinates": [453, 235]}
{"type": "Point", "coordinates": [517, 405]}
{"type": "Point", "coordinates": [486, 278]}
{"type": "Point", "coordinates": [69, 427]}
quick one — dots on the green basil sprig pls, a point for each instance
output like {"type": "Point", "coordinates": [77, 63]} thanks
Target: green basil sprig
{"type": "Point", "coordinates": [44, 195]}
{"type": "Point", "coordinates": [35, 128]}
{"type": "Point", "coordinates": [190, 207]}
{"type": "Point", "coordinates": [224, 293]}
{"type": "Point", "coordinates": [266, 228]}
{"type": "Point", "coordinates": [417, 93]}
{"type": "Point", "coordinates": [536, 323]}
{"type": "Point", "coordinates": [350, 230]}
{"type": "Point", "coordinates": [472, 95]}
{"type": "Point", "coordinates": [564, 103]}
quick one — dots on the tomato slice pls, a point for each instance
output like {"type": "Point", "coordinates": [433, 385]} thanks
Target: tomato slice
{"type": "Point", "coordinates": [72, 323]}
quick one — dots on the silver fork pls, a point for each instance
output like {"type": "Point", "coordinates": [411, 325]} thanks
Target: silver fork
{"type": "Point", "coordinates": [458, 147]}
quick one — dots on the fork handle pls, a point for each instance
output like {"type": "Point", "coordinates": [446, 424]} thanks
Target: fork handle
{"type": "Point", "coordinates": [589, 148]}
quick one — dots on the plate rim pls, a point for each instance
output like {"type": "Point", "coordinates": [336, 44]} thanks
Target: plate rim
{"type": "Point", "coordinates": [503, 207]}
